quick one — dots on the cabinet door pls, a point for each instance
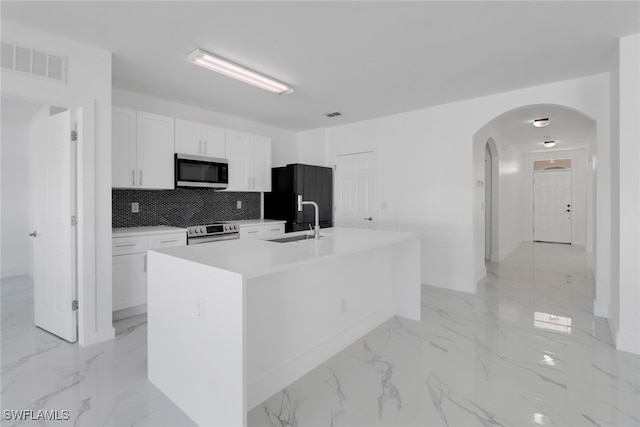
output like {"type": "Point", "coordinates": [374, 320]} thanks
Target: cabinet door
{"type": "Point", "coordinates": [155, 151]}
{"type": "Point", "coordinates": [129, 280]}
{"type": "Point", "coordinates": [237, 143]}
{"type": "Point", "coordinates": [189, 138]}
{"type": "Point", "coordinates": [259, 163]}
{"type": "Point", "coordinates": [123, 147]}
{"type": "Point", "coordinates": [214, 142]}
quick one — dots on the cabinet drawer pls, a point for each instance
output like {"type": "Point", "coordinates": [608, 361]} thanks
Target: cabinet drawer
{"type": "Point", "coordinates": [167, 240]}
{"type": "Point", "coordinates": [250, 232]}
{"type": "Point", "coordinates": [273, 230]}
{"type": "Point", "coordinates": [128, 245]}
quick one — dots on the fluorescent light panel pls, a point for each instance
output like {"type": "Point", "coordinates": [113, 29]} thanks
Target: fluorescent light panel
{"type": "Point", "coordinates": [238, 72]}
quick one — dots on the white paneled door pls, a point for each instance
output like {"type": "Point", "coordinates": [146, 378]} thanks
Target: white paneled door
{"type": "Point", "coordinates": [552, 206]}
{"type": "Point", "coordinates": [54, 234]}
{"type": "Point", "coordinates": [354, 190]}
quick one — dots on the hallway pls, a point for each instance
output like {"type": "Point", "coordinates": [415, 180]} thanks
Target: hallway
{"type": "Point", "coordinates": [524, 350]}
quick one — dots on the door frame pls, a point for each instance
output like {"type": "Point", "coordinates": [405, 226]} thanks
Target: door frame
{"type": "Point", "coordinates": [86, 242]}
{"type": "Point", "coordinates": [376, 176]}
{"type": "Point", "coordinates": [533, 198]}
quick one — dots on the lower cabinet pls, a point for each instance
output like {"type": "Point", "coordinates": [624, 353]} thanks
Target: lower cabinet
{"type": "Point", "coordinates": [129, 263]}
{"type": "Point", "coordinates": [261, 231]}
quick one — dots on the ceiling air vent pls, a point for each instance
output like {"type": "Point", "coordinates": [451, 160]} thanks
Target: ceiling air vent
{"type": "Point", "coordinates": [35, 63]}
{"type": "Point", "coordinates": [334, 114]}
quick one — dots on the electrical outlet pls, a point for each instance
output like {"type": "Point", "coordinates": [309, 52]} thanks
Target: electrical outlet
{"type": "Point", "coordinates": [135, 207]}
{"type": "Point", "coordinates": [239, 204]}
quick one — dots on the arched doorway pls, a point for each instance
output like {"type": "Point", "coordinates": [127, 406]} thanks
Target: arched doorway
{"type": "Point", "coordinates": [505, 190]}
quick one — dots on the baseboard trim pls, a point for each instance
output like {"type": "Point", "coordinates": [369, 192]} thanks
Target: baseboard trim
{"type": "Point", "coordinates": [628, 342]}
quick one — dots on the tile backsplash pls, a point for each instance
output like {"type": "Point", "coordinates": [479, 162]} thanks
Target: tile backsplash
{"type": "Point", "coordinates": [181, 207]}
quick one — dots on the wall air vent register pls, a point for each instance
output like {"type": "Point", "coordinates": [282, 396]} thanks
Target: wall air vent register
{"type": "Point", "coordinates": [34, 62]}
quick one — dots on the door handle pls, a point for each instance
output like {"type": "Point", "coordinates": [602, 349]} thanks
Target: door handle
{"type": "Point", "coordinates": [33, 234]}
{"type": "Point", "coordinates": [133, 177]}
{"type": "Point", "coordinates": [205, 148]}
{"type": "Point", "coordinates": [369, 219]}
{"type": "Point", "coordinates": [140, 176]}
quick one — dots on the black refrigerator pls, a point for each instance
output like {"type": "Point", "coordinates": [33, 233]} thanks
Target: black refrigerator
{"type": "Point", "coordinates": [313, 183]}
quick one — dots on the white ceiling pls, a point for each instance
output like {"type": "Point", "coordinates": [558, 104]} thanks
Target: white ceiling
{"type": "Point", "coordinates": [364, 59]}
{"type": "Point", "coordinates": [570, 129]}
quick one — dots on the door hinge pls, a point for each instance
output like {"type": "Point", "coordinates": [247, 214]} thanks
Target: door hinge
{"type": "Point", "coordinates": [74, 135]}
{"type": "Point", "coordinates": [74, 305]}
{"type": "Point", "coordinates": [74, 220]}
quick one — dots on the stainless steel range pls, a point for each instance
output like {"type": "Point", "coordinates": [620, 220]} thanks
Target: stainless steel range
{"type": "Point", "coordinates": [212, 233]}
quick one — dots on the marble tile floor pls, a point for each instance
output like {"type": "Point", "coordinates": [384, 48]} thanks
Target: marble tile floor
{"type": "Point", "coordinates": [525, 350]}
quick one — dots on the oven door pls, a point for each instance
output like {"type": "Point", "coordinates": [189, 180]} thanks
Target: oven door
{"type": "Point", "coordinates": [199, 171]}
{"type": "Point", "coordinates": [209, 239]}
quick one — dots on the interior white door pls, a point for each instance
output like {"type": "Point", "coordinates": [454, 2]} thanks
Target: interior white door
{"type": "Point", "coordinates": [54, 244]}
{"type": "Point", "coordinates": [355, 190]}
{"type": "Point", "coordinates": [552, 206]}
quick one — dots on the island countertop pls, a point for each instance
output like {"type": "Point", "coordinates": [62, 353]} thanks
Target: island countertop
{"type": "Point", "coordinates": [253, 258]}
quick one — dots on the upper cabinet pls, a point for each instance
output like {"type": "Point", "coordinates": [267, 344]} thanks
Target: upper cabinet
{"type": "Point", "coordinates": [142, 150]}
{"type": "Point", "coordinates": [200, 139]}
{"type": "Point", "coordinates": [249, 161]}
{"type": "Point", "coordinates": [143, 147]}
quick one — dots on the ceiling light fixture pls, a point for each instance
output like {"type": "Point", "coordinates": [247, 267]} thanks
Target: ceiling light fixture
{"type": "Point", "coordinates": [549, 144]}
{"type": "Point", "coordinates": [540, 123]}
{"type": "Point", "coordinates": [238, 72]}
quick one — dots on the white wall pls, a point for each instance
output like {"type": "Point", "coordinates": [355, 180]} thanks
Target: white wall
{"type": "Point", "coordinates": [283, 142]}
{"type": "Point", "coordinates": [625, 301]}
{"type": "Point", "coordinates": [578, 192]}
{"type": "Point", "coordinates": [509, 195]}
{"type": "Point", "coordinates": [88, 86]}
{"type": "Point", "coordinates": [16, 244]}
{"type": "Point", "coordinates": [431, 167]}
{"type": "Point", "coordinates": [312, 147]}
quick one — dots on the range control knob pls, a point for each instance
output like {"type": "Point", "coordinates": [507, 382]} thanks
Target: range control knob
{"type": "Point", "coordinates": [203, 230]}
{"type": "Point", "coordinates": [235, 227]}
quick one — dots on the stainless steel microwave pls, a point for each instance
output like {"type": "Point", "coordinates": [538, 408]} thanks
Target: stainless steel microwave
{"type": "Point", "coordinates": [199, 171]}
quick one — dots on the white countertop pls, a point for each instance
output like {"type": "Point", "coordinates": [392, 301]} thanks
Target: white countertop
{"type": "Point", "coordinates": [248, 222]}
{"type": "Point", "coordinates": [254, 258]}
{"type": "Point", "coordinates": [145, 231]}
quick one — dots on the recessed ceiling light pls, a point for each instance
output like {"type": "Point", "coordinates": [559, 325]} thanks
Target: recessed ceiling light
{"type": "Point", "coordinates": [549, 144]}
{"type": "Point", "coordinates": [238, 72]}
{"type": "Point", "coordinates": [540, 123]}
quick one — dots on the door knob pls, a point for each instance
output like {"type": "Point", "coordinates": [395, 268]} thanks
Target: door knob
{"type": "Point", "coordinates": [369, 219]}
{"type": "Point", "coordinates": [568, 210]}
{"type": "Point", "coordinates": [34, 234]}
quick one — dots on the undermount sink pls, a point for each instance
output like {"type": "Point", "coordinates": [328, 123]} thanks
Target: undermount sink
{"type": "Point", "coordinates": [292, 238]}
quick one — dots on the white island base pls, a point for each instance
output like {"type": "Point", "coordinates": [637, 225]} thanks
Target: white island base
{"type": "Point", "coordinates": [232, 323]}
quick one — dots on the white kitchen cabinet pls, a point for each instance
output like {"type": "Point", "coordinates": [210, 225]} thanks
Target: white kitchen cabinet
{"type": "Point", "coordinates": [129, 264]}
{"type": "Point", "coordinates": [142, 150]}
{"type": "Point", "coordinates": [123, 147]}
{"type": "Point", "coordinates": [249, 161]}
{"type": "Point", "coordinates": [199, 139]}
{"type": "Point", "coordinates": [262, 231]}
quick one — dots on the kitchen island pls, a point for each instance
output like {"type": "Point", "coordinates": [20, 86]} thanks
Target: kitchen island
{"type": "Point", "coordinates": [231, 323]}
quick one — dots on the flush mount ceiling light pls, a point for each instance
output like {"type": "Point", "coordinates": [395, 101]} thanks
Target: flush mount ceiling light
{"type": "Point", "coordinates": [540, 123]}
{"type": "Point", "coordinates": [549, 144]}
{"type": "Point", "coordinates": [238, 72]}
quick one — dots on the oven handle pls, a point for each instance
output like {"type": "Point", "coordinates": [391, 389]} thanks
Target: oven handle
{"type": "Point", "coordinates": [205, 239]}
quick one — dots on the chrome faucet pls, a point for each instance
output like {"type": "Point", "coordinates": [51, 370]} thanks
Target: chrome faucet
{"type": "Point", "coordinates": [316, 231]}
